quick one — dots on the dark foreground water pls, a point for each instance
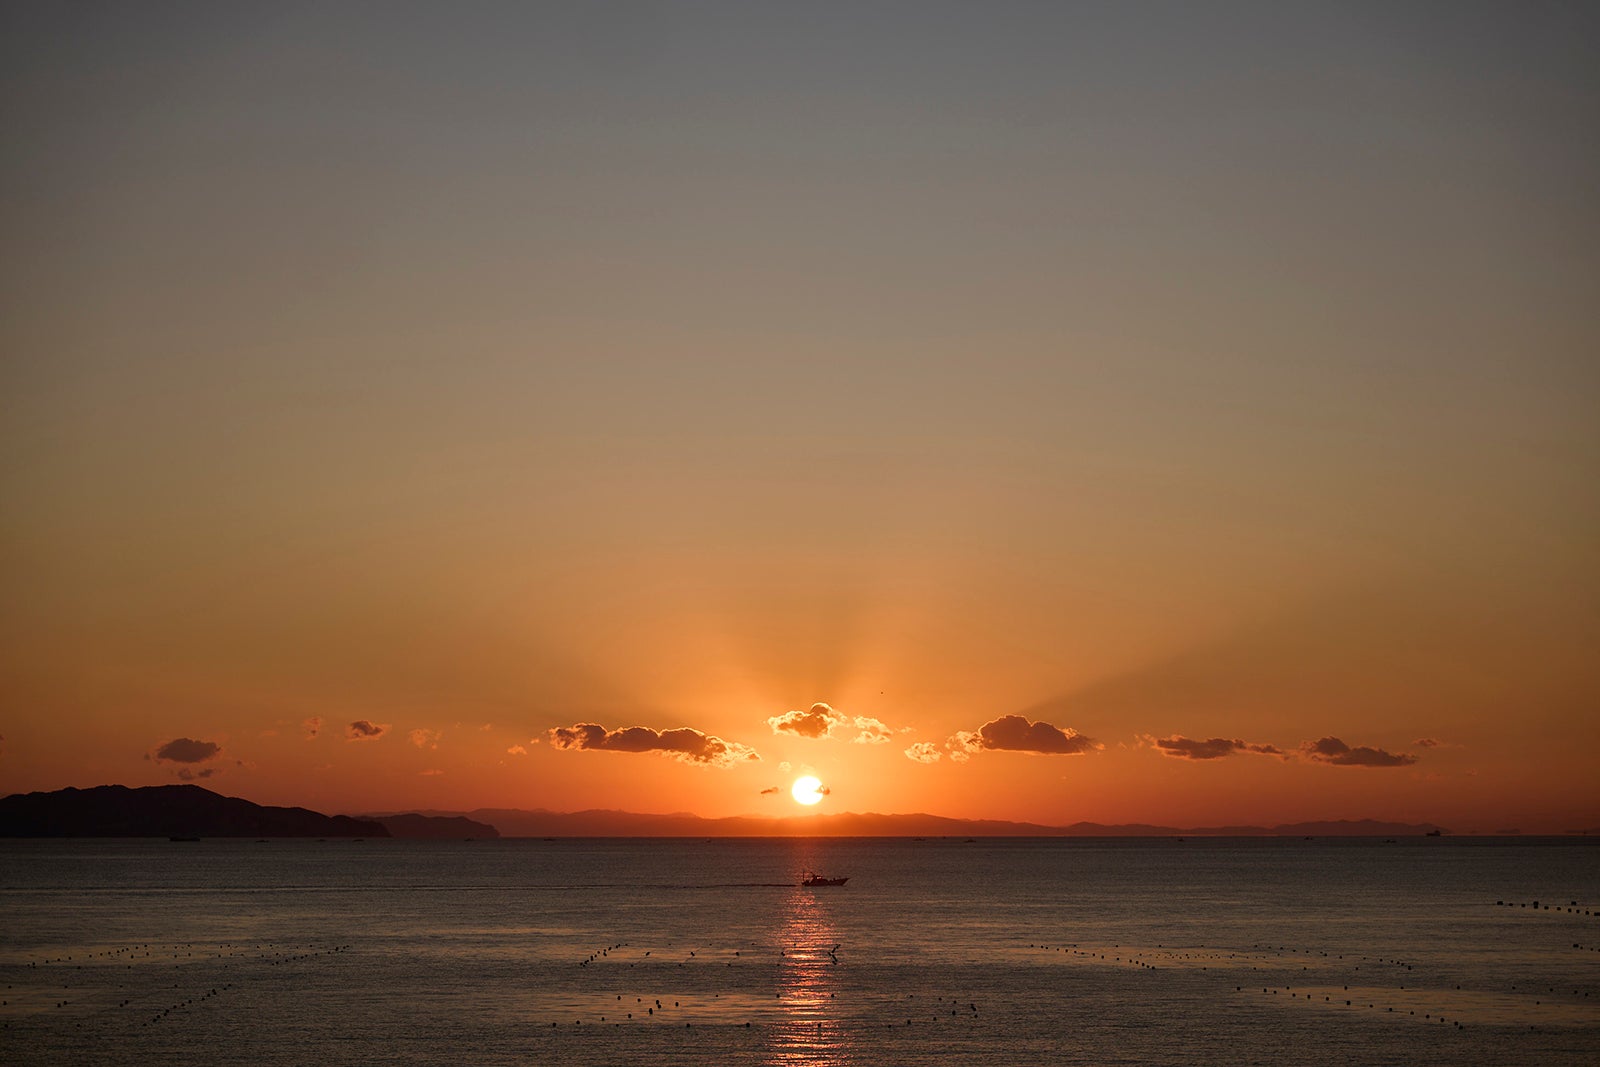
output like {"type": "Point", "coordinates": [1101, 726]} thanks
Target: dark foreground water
{"type": "Point", "coordinates": [995, 951]}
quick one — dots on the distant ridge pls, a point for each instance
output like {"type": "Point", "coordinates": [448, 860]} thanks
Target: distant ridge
{"type": "Point", "coordinates": [165, 811]}
{"type": "Point", "coordinates": [191, 811]}
{"type": "Point", "coordinates": [512, 822]}
{"type": "Point", "coordinates": [435, 827]}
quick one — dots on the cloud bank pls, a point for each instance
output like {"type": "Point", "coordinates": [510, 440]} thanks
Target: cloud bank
{"type": "Point", "coordinates": [823, 720]}
{"type": "Point", "coordinates": [1334, 751]}
{"type": "Point", "coordinates": [683, 744]}
{"type": "Point", "coordinates": [1180, 747]}
{"type": "Point", "coordinates": [1014, 733]}
{"type": "Point", "coordinates": [816, 722]}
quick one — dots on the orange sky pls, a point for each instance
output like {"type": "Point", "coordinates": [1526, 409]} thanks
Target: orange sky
{"type": "Point", "coordinates": [1159, 375]}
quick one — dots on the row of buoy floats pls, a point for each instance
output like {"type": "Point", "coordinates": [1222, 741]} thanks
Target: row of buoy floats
{"type": "Point", "coordinates": [657, 1010]}
{"type": "Point", "coordinates": [1572, 909]}
{"type": "Point", "coordinates": [1127, 955]}
{"type": "Point", "coordinates": [181, 955]}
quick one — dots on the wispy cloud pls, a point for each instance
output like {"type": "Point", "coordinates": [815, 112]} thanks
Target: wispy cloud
{"type": "Point", "coordinates": [312, 726]}
{"type": "Point", "coordinates": [424, 738]}
{"type": "Point", "coordinates": [365, 730]}
{"type": "Point", "coordinates": [1180, 747]}
{"type": "Point", "coordinates": [870, 731]}
{"type": "Point", "coordinates": [1334, 751]}
{"type": "Point", "coordinates": [923, 752]}
{"type": "Point", "coordinates": [683, 743]}
{"type": "Point", "coordinates": [516, 750]}
{"type": "Point", "coordinates": [1014, 733]}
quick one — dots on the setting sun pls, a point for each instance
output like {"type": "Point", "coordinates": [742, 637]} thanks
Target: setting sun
{"type": "Point", "coordinates": [807, 790]}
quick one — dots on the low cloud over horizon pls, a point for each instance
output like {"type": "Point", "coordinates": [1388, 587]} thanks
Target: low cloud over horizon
{"type": "Point", "coordinates": [1179, 747]}
{"type": "Point", "coordinates": [1334, 751]}
{"type": "Point", "coordinates": [1015, 733]}
{"type": "Point", "coordinates": [187, 753]}
{"type": "Point", "coordinates": [365, 730]}
{"type": "Point", "coordinates": [684, 744]}
{"type": "Point", "coordinates": [1329, 750]}
{"type": "Point", "coordinates": [186, 750]}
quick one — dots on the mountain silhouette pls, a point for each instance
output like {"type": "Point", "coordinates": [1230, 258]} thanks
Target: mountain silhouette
{"type": "Point", "coordinates": [165, 811]}
{"type": "Point", "coordinates": [191, 811]}
{"type": "Point", "coordinates": [512, 822]}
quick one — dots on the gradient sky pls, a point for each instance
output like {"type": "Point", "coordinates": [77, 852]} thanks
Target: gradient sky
{"type": "Point", "coordinates": [400, 400]}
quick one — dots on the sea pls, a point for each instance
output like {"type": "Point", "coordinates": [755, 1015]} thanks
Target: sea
{"type": "Point", "coordinates": [673, 951]}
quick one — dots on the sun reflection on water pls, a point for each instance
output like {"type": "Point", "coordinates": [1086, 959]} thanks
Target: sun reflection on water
{"type": "Point", "coordinates": [809, 1029]}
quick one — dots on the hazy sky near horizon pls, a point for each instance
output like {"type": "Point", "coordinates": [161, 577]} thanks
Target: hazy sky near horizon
{"type": "Point", "coordinates": [390, 389]}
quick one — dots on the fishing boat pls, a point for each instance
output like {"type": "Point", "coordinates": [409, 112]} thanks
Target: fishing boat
{"type": "Point", "coordinates": [815, 880]}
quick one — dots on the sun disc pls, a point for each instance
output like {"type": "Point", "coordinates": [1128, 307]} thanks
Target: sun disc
{"type": "Point", "coordinates": [806, 789]}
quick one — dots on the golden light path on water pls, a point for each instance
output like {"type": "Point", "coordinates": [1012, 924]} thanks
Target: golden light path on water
{"type": "Point", "coordinates": [809, 1030]}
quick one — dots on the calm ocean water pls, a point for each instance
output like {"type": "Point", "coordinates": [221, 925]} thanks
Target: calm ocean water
{"type": "Point", "coordinates": [996, 951]}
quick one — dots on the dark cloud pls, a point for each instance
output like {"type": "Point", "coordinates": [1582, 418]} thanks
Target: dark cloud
{"type": "Point", "coordinates": [683, 743]}
{"type": "Point", "coordinates": [313, 726]}
{"type": "Point", "coordinates": [365, 730]}
{"type": "Point", "coordinates": [923, 752]}
{"type": "Point", "coordinates": [185, 774]}
{"type": "Point", "coordinates": [1013, 733]}
{"type": "Point", "coordinates": [1427, 742]}
{"type": "Point", "coordinates": [1180, 747]}
{"type": "Point", "coordinates": [187, 750]}
{"type": "Point", "coordinates": [771, 789]}
{"type": "Point", "coordinates": [1334, 751]}
{"type": "Point", "coordinates": [816, 722]}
